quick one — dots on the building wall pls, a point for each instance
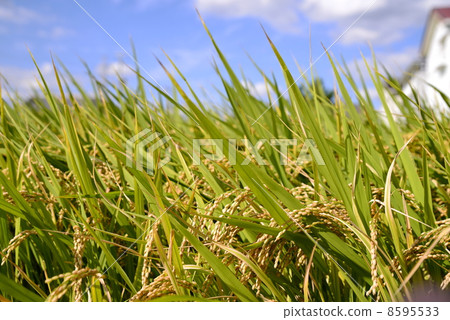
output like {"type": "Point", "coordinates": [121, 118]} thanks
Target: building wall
{"type": "Point", "coordinates": [436, 68]}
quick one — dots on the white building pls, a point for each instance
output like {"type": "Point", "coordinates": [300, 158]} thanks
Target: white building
{"type": "Point", "coordinates": [434, 66]}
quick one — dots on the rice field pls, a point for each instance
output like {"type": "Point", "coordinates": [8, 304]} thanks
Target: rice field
{"type": "Point", "coordinates": [82, 220]}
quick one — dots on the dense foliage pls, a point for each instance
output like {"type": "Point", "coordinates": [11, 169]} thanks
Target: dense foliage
{"type": "Point", "coordinates": [78, 223]}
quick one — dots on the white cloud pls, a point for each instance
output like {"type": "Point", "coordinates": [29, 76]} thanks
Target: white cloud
{"type": "Point", "coordinates": [16, 14]}
{"type": "Point", "coordinates": [24, 80]}
{"type": "Point", "coordinates": [57, 32]}
{"type": "Point", "coordinates": [398, 61]}
{"type": "Point", "coordinates": [281, 14]}
{"type": "Point", "coordinates": [257, 89]}
{"type": "Point", "coordinates": [323, 10]}
{"type": "Point", "coordinates": [114, 68]}
{"type": "Point", "coordinates": [141, 4]}
{"type": "Point", "coordinates": [385, 22]}
{"type": "Point", "coordinates": [367, 35]}
{"type": "Point", "coordinates": [395, 62]}
{"type": "Point", "coordinates": [373, 93]}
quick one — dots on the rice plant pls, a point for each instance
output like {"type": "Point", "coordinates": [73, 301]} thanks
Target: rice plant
{"type": "Point", "coordinates": [79, 223]}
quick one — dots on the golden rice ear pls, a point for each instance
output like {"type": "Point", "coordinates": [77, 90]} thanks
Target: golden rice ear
{"type": "Point", "coordinates": [15, 242]}
{"type": "Point", "coordinates": [446, 281]}
{"type": "Point", "coordinates": [160, 287]}
{"type": "Point", "coordinates": [79, 239]}
{"type": "Point", "coordinates": [70, 280]}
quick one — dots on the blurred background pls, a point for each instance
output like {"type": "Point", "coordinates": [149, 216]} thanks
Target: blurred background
{"type": "Point", "coordinates": [95, 31]}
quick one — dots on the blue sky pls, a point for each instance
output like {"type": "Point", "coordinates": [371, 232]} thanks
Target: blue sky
{"type": "Point", "coordinates": [61, 27]}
